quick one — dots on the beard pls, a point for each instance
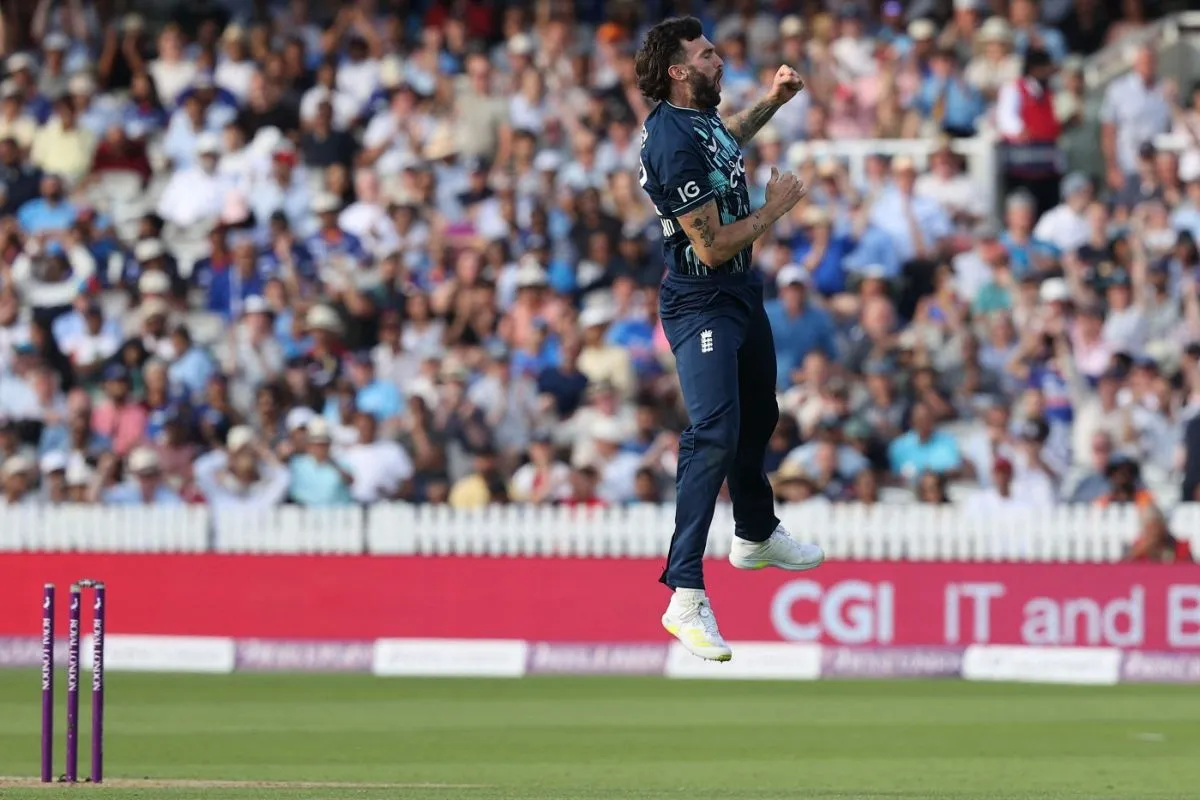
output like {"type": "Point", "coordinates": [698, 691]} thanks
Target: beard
{"type": "Point", "coordinates": [706, 92]}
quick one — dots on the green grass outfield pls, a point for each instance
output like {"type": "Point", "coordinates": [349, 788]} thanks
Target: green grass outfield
{"type": "Point", "coordinates": [336, 736]}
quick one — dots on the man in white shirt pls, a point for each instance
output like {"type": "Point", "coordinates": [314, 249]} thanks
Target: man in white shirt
{"type": "Point", "coordinates": [245, 475]}
{"type": "Point", "coordinates": [381, 468]}
{"type": "Point", "coordinates": [1135, 110]}
{"type": "Point", "coordinates": [1066, 225]}
{"type": "Point", "coordinates": [367, 218]}
{"type": "Point", "coordinates": [544, 479]}
{"type": "Point", "coordinates": [196, 193]}
{"type": "Point", "coordinates": [235, 69]}
{"type": "Point", "coordinates": [89, 348]}
{"type": "Point", "coordinates": [951, 187]}
{"type": "Point", "coordinates": [1006, 494]}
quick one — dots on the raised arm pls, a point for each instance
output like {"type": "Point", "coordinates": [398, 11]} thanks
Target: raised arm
{"type": "Point", "coordinates": [714, 243]}
{"type": "Point", "coordinates": [745, 124]}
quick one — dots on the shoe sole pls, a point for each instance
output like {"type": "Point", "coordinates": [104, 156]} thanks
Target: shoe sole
{"type": "Point", "coordinates": [785, 565]}
{"type": "Point", "coordinates": [708, 655]}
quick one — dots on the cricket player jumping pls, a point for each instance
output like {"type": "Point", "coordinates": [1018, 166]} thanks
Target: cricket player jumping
{"type": "Point", "coordinates": [711, 305]}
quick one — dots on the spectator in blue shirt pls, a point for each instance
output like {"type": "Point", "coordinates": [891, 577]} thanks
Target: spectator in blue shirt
{"type": "Point", "coordinates": [873, 254]}
{"type": "Point", "coordinates": [1026, 255]}
{"type": "Point", "coordinates": [797, 325]}
{"type": "Point", "coordinates": [564, 382]}
{"type": "Point", "coordinates": [379, 398]}
{"type": "Point", "coordinates": [95, 114]}
{"type": "Point", "coordinates": [924, 449]}
{"type": "Point", "coordinates": [946, 99]}
{"type": "Point", "coordinates": [331, 247]}
{"type": "Point", "coordinates": [822, 252]}
{"type": "Point", "coordinates": [21, 180]}
{"type": "Point", "coordinates": [193, 366]}
{"type": "Point", "coordinates": [142, 112]}
{"type": "Point", "coordinates": [285, 192]}
{"type": "Point", "coordinates": [915, 224]}
{"type": "Point", "coordinates": [51, 213]}
{"type": "Point", "coordinates": [318, 480]}
{"type": "Point", "coordinates": [1027, 33]}
{"type": "Point", "coordinates": [228, 287]}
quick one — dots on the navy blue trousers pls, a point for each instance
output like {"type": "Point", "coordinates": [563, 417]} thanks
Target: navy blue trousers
{"type": "Point", "coordinates": [725, 357]}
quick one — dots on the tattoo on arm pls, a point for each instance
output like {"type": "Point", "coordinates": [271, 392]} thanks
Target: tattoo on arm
{"type": "Point", "coordinates": [702, 227]}
{"type": "Point", "coordinates": [745, 124]}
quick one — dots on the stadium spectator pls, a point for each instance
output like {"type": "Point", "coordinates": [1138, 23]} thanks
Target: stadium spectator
{"type": "Point", "coordinates": [412, 257]}
{"type": "Point", "coordinates": [144, 484]}
{"type": "Point", "coordinates": [317, 479]}
{"type": "Point", "coordinates": [1155, 542]}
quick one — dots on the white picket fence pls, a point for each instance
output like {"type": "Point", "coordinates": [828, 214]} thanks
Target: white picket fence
{"type": "Point", "coordinates": [1065, 533]}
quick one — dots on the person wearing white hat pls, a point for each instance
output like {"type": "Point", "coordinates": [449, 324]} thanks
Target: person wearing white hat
{"type": "Point", "coordinates": [196, 193]}
{"type": "Point", "coordinates": [15, 476]}
{"type": "Point", "coordinates": [79, 478]}
{"type": "Point", "coordinates": [144, 486]}
{"type": "Point", "coordinates": [318, 479]}
{"type": "Point", "coordinates": [236, 69]}
{"type": "Point", "coordinates": [617, 468]}
{"type": "Point", "coordinates": [996, 64]}
{"type": "Point", "coordinates": [338, 250]}
{"type": "Point", "coordinates": [248, 476]}
{"type": "Point", "coordinates": [53, 466]}
{"type": "Point", "coordinates": [712, 313]}
{"type": "Point", "coordinates": [599, 360]}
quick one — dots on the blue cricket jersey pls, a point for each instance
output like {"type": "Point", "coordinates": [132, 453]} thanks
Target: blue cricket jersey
{"type": "Point", "coordinates": [689, 157]}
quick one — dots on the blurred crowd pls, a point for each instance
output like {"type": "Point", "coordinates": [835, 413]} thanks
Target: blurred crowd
{"type": "Point", "coordinates": [266, 252]}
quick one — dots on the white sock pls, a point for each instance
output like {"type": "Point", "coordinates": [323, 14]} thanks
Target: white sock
{"type": "Point", "coordinates": [689, 597]}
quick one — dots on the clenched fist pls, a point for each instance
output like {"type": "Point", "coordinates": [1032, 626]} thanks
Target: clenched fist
{"type": "Point", "coordinates": [786, 85]}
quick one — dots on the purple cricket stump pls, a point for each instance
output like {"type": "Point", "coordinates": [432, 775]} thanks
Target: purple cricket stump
{"type": "Point", "coordinates": [98, 607]}
{"type": "Point", "coordinates": [73, 617]}
{"type": "Point", "coordinates": [48, 683]}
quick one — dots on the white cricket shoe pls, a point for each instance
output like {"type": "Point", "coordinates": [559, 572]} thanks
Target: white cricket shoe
{"type": "Point", "coordinates": [690, 619]}
{"type": "Point", "coordinates": [780, 550]}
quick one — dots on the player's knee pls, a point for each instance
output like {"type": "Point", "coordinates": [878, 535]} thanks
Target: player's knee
{"type": "Point", "coordinates": [718, 440]}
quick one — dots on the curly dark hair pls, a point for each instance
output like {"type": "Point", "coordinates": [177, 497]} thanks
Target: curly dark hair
{"type": "Point", "coordinates": [662, 48]}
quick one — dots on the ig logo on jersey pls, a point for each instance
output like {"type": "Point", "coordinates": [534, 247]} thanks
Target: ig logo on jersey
{"type": "Point", "coordinates": [689, 191]}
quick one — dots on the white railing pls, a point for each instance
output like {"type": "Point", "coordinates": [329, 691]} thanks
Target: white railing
{"type": "Point", "coordinates": [979, 151]}
{"type": "Point", "coordinates": [912, 532]}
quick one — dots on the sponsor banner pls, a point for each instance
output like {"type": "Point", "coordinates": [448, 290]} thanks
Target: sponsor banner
{"type": "Point", "coordinates": [1142, 667]}
{"type": "Point", "coordinates": [482, 658]}
{"type": "Point", "coordinates": [851, 604]}
{"type": "Point", "coordinates": [290, 655]}
{"type": "Point", "coordinates": [123, 652]}
{"type": "Point", "coordinates": [751, 661]}
{"type": "Point", "coordinates": [20, 651]}
{"type": "Point", "coordinates": [570, 658]}
{"type": "Point", "coordinates": [891, 662]}
{"type": "Point", "coordinates": [1083, 665]}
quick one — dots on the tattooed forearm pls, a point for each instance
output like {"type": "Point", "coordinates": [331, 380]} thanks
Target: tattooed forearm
{"type": "Point", "coordinates": [701, 226]}
{"type": "Point", "coordinates": [744, 124]}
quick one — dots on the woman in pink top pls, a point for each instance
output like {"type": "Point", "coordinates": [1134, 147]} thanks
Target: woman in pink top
{"type": "Point", "coordinates": [118, 416]}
